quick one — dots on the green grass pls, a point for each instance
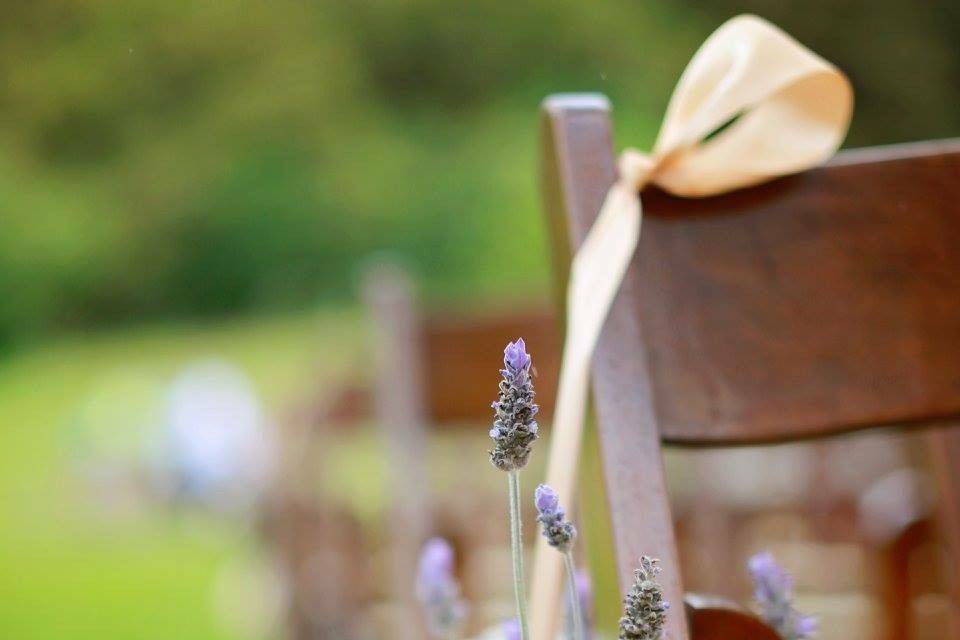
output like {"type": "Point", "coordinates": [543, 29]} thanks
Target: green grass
{"type": "Point", "coordinates": [73, 567]}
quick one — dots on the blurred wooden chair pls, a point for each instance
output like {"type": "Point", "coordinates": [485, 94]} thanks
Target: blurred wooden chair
{"type": "Point", "coordinates": [814, 305]}
{"type": "Point", "coordinates": [430, 371]}
{"type": "Point", "coordinates": [319, 555]}
{"type": "Point", "coordinates": [455, 355]}
{"type": "Point", "coordinates": [427, 371]}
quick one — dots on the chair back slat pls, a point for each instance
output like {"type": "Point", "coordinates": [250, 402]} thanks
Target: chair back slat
{"type": "Point", "coordinates": [816, 304]}
{"type": "Point", "coordinates": [461, 356]}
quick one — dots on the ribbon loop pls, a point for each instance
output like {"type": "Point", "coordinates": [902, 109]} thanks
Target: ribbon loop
{"type": "Point", "coordinates": [753, 104]}
{"type": "Point", "coordinates": [781, 108]}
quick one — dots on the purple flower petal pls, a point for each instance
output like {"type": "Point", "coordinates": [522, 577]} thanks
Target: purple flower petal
{"type": "Point", "coordinates": [511, 629]}
{"type": "Point", "coordinates": [546, 499]}
{"type": "Point", "coordinates": [436, 565]}
{"type": "Point", "coordinates": [806, 626]}
{"type": "Point", "coordinates": [584, 592]}
{"type": "Point", "coordinates": [515, 356]}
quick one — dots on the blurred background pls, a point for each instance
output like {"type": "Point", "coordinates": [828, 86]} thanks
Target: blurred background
{"type": "Point", "coordinates": [228, 229]}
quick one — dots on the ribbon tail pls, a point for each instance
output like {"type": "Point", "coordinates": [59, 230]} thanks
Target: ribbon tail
{"type": "Point", "coordinates": [595, 276]}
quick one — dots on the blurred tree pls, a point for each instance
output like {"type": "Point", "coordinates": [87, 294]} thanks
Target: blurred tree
{"type": "Point", "coordinates": [184, 159]}
{"type": "Point", "coordinates": [903, 58]}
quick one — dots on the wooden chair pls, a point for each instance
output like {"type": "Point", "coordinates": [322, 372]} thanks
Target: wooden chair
{"type": "Point", "coordinates": [810, 306]}
{"type": "Point", "coordinates": [456, 355]}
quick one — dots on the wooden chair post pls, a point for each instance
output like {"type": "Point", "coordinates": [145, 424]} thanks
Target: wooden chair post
{"type": "Point", "coordinates": [401, 420]}
{"type": "Point", "coordinates": [578, 170]}
{"type": "Point", "coordinates": [944, 446]}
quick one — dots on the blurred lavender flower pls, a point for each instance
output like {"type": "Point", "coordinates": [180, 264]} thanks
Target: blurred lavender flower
{"type": "Point", "coordinates": [774, 595]}
{"type": "Point", "coordinates": [514, 428]}
{"type": "Point", "coordinates": [558, 531]}
{"type": "Point", "coordinates": [511, 629]}
{"type": "Point", "coordinates": [644, 609]}
{"type": "Point", "coordinates": [438, 590]}
{"type": "Point", "coordinates": [584, 588]}
{"type": "Point", "coordinates": [585, 592]}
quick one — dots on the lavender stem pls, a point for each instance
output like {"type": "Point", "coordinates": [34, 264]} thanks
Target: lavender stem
{"type": "Point", "coordinates": [516, 544]}
{"type": "Point", "coordinates": [575, 612]}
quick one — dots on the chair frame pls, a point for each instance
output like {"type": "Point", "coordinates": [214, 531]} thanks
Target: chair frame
{"type": "Point", "coordinates": [578, 167]}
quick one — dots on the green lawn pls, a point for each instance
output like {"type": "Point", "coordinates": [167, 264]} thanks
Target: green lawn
{"type": "Point", "coordinates": [70, 568]}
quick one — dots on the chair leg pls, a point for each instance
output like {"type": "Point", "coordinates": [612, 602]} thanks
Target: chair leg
{"type": "Point", "coordinates": [895, 559]}
{"type": "Point", "coordinates": [945, 455]}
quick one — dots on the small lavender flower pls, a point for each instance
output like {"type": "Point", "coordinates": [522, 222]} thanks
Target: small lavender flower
{"type": "Point", "coordinates": [585, 592]}
{"type": "Point", "coordinates": [584, 588]}
{"type": "Point", "coordinates": [558, 531]}
{"type": "Point", "coordinates": [514, 428]}
{"type": "Point", "coordinates": [644, 609]}
{"type": "Point", "coordinates": [510, 630]}
{"type": "Point", "coordinates": [438, 590]}
{"type": "Point", "coordinates": [774, 595]}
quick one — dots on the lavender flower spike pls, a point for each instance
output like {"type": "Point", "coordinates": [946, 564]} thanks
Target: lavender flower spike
{"type": "Point", "coordinates": [774, 595]}
{"type": "Point", "coordinates": [644, 609]}
{"type": "Point", "coordinates": [558, 531]}
{"type": "Point", "coordinates": [514, 428]}
{"type": "Point", "coordinates": [438, 591]}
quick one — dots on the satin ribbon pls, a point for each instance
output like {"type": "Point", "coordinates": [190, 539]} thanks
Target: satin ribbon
{"type": "Point", "coordinates": [787, 110]}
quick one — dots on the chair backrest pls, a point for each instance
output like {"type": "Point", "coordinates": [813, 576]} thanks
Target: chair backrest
{"type": "Point", "coordinates": [820, 303]}
{"type": "Point", "coordinates": [439, 368]}
{"type": "Point", "coordinates": [809, 306]}
{"type": "Point", "coordinates": [461, 354]}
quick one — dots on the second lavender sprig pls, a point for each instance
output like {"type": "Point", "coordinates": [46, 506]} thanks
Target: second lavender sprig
{"type": "Point", "coordinates": [560, 534]}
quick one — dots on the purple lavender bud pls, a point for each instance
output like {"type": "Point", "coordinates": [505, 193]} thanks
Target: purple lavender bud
{"type": "Point", "coordinates": [515, 356]}
{"type": "Point", "coordinates": [437, 589]}
{"type": "Point", "coordinates": [558, 531]}
{"type": "Point", "coordinates": [773, 590]}
{"type": "Point", "coordinates": [514, 428]}
{"type": "Point", "coordinates": [511, 629]}
{"type": "Point", "coordinates": [644, 609]}
{"type": "Point", "coordinates": [806, 626]}
{"type": "Point", "coordinates": [546, 499]}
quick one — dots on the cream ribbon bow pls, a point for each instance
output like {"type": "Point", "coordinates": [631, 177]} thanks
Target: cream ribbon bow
{"type": "Point", "coordinates": [791, 109]}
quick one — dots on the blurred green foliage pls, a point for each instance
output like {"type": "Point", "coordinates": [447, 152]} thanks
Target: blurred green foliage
{"type": "Point", "coordinates": [79, 563]}
{"type": "Point", "coordinates": [195, 158]}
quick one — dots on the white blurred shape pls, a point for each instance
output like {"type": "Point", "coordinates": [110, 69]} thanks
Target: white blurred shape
{"type": "Point", "coordinates": [894, 502]}
{"type": "Point", "coordinates": [755, 477]}
{"type": "Point", "coordinates": [218, 445]}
